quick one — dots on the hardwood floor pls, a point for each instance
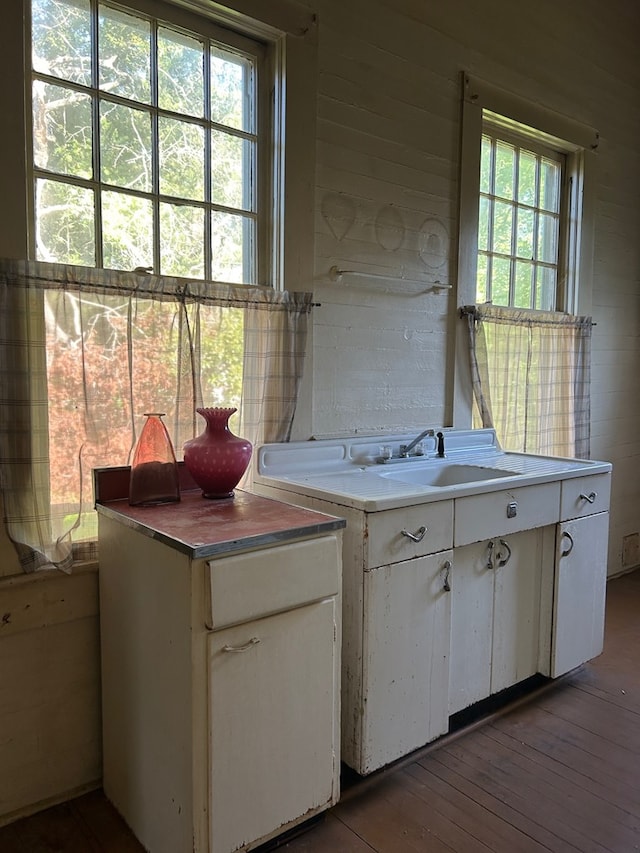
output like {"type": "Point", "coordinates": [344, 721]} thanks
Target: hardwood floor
{"type": "Point", "coordinates": [558, 771]}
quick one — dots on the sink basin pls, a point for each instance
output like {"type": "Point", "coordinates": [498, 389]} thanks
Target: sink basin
{"type": "Point", "coordinates": [448, 474]}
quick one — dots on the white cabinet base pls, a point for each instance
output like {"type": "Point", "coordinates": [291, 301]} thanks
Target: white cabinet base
{"type": "Point", "coordinates": [405, 658]}
{"type": "Point", "coordinates": [272, 716]}
{"type": "Point", "coordinates": [581, 577]}
{"type": "Point", "coordinates": [218, 740]}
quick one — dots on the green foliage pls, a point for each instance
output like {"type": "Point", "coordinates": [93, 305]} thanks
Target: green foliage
{"type": "Point", "coordinates": [515, 236]}
{"type": "Point", "coordinates": [138, 152]}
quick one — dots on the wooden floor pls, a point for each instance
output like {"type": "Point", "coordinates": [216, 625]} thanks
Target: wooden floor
{"type": "Point", "coordinates": [559, 772]}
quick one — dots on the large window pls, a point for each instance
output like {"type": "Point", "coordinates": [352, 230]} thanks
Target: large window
{"type": "Point", "coordinates": [525, 230]}
{"type": "Point", "coordinates": [521, 221]}
{"type": "Point", "coordinates": [149, 136]}
{"type": "Point", "coordinates": [150, 141]}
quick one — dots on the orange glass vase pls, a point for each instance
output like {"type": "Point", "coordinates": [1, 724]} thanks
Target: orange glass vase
{"type": "Point", "coordinates": [154, 471]}
{"type": "Point", "coordinates": [217, 459]}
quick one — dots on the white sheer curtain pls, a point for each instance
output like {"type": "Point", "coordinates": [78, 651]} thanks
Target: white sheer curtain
{"type": "Point", "coordinates": [531, 378]}
{"type": "Point", "coordinates": [84, 353]}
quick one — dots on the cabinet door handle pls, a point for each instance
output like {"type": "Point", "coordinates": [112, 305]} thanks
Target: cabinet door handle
{"type": "Point", "coordinates": [590, 497]}
{"type": "Point", "coordinates": [418, 536]}
{"type": "Point", "coordinates": [566, 552]}
{"type": "Point", "coordinates": [490, 547]}
{"type": "Point", "coordinates": [446, 567]}
{"type": "Point", "coordinates": [252, 642]}
{"type": "Point", "coordinates": [502, 561]}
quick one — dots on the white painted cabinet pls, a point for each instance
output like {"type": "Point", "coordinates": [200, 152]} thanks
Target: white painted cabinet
{"type": "Point", "coordinates": [413, 651]}
{"type": "Point", "coordinates": [497, 613]}
{"type": "Point", "coordinates": [405, 657]}
{"type": "Point", "coordinates": [273, 753]}
{"type": "Point", "coordinates": [581, 576]}
{"type": "Point", "coordinates": [220, 684]}
{"type": "Point", "coordinates": [580, 573]}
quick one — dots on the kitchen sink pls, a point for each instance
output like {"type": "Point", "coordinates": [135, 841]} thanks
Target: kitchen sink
{"type": "Point", "coordinates": [446, 474]}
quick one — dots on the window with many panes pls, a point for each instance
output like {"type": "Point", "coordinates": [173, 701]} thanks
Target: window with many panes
{"type": "Point", "coordinates": [520, 221]}
{"type": "Point", "coordinates": [148, 141]}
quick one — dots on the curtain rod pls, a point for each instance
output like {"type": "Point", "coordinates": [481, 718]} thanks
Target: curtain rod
{"type": "Point", "coordinates": [181, 293]}
{"type": "Point", "coordinates": [472, 311]}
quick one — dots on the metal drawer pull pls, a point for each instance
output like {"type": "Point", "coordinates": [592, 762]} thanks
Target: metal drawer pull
{"type": "Point", "coordinates": [447, 572]}
{"type": "Point", "coordinates": [418, 536]}
{"type": "Point", "coordinates": [252, 642]}
{"type": "Point", "coordinates": [590, 497]}
{"type": "Point", "coordinates": [502, 561]}
{"type": "Point", "coordinates": [570, 548]}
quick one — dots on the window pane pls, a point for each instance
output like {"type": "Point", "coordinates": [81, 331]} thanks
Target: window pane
{"type": "Point", "coordinates": [549, 186]}
{"type": "Point", "coordinates": [127, 231]}
{"type": "Point", "coordinates": [231, 171]}
{"type": "Point", "coordinates": [502, 227]}
{"type": "Point", "coordinates": [525, 233]}
{"type": "Point", "coordinates": [61, 130]}
{"type": "Point", "coordinates": [483, 223]}
{"type": "Point", "coordinates": [181, 240]}
{"type": "Point", "coordinates": [124, 43]}
{"type": "Point", "coordinates": [125, 146]}
{"type": "Point", "coordinates": [523, 285]}
{"type": "Point", "coordinates": [64, 223]}
{"type": "Point", "coordinates": [481, 279]}
{"type": "Point", "coordinates": [232, 91]}
{"type": "Point", "coordinates": [181, 154]}
{"type": "Point", "coordinates": [545, 289]}
{"type": "Point", "coordinates": [505, 162]}
{"type": "Point", "coordinates": [61, 40]}
{"type": "Point", "coordinates": [485, 165]}
{"type": "Point", "coordinates": [527, 178]}
{"type": "Point", "coordinates": [548, 238]}
{"type": "Point", "coordinates": [180, 73]}
{"type": "Point", "coordinates": [501, 268]}
{"type": "Point", "coordinates": [232, 242]}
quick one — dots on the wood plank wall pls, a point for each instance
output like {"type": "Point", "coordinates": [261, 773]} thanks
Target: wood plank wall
{"type": "Point", "coordinates": [50, 724]}
{"type": "Point", "coordinates": [387, 163]}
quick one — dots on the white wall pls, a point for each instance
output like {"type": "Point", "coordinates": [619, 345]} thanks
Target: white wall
{"type": "Point", "coordinates": [388, 134]}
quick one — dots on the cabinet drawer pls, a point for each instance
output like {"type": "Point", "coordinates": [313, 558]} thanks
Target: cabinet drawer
{"type": "Point", "coordinates": [585, 496]}
{"type": "Point", "coordinates": [385, 541]}
{"type": "Point", "coordinates": [271, 580]}
{"type": "Point", "coordinates": [500, 513]}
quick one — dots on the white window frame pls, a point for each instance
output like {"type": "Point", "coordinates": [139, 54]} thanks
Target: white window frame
{"type": "Point", "coordinates": [480, 101]}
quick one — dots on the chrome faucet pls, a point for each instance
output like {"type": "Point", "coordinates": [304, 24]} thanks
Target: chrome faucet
{"type": "Point", "coordinates": [405, 449]}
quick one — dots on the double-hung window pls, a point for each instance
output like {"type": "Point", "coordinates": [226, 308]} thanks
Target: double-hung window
{"type": "Point", "coordinates": [525, 203]}
{"type": "Point", "coordinates": [151, 146]}
{"type": "Point", "coordinates": [155, 275]}
{"type": "Point", "coordinates": [522, 221]}
{"type": "Point", "coordinates": [524, 272]}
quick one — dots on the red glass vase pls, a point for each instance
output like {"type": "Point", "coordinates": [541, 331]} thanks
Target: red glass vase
{"type": "Point", "coordinates": [154, 470]}
{"type": "Point", "coordinates": [217, 459]}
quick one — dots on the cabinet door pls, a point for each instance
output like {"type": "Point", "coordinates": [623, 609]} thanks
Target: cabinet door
{"type": "Point", "coordinates": [273, 694]}
{"type": "Point", "coordinates": [495, 617]}
{"type": "Point", "coordinates": [471, 625]}
{"type": "Point", "coordinates": [516, 607]}
{"type": "Point", "coordinates": [580, 585]}
{"type": "Point", "coordinates": [405, 658]}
